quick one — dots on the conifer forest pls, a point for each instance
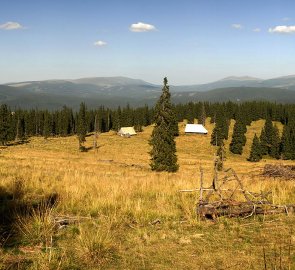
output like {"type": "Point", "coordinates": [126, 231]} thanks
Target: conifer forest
{"type": "Point", "coordinates": [18, 124]}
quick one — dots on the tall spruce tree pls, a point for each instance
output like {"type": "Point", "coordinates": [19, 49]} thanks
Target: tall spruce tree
{"type": "Point", "coordinates": [174, 122]}
{"type": "Point", "coordinates": [202, 115]}
{"type": "Point", "coordinates": [221, 156]}
{"type": "Point", "coordinates": [20, 127]}
{"type": "Point", "coordinates": [220, 131]}
{"type": "Point", "coordinates": [265, 137]}
{"type": "Point", "coordinates": [82, 126]}
{"type": "Point", "coordinates": [288, 141]}
{"type": "Point", "coordinates": [47, 125]}
{"type": "Point", "coordinates": [275, 143]}
{"type": "Point", "coordinates": [163, 153]}
{"type": "Point", "coordinates": [238, 138]}
{"type": "Point", "coordinates": [255, 153]}
{"type": "Point", "coordinates": [5, 124]}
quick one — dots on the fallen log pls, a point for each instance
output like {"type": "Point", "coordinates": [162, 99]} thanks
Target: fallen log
{"type": "Point", "coordinates": [214, 210]}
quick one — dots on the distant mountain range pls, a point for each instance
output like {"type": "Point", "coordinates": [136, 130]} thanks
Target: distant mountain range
{"type": "Point", "coordinates": [114, 91]}
{"type": "Point", "coordinates": [287, 82]}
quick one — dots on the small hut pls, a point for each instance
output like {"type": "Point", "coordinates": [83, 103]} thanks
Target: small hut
{"type": "Point", "coordinates": [195, 129]}
{"type": "Point", "coordinates": [126, 132]}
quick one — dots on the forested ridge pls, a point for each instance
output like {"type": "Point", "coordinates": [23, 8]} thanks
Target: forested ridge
{"type": "Point", "coordinates": [19, 124]}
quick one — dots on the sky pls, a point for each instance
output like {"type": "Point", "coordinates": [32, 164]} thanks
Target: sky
{"type": "Point", "coordinates": [189, 41]}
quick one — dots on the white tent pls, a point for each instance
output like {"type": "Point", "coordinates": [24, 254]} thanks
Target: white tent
{"type": "Point", "coordinates": [126, 131]}
{"type": "Point", "coordinates": [195, 128]}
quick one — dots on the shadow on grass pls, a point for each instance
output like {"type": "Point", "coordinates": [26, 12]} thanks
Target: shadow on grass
{"type": "Point", "coordinates": [13, 206]}
{"type": "Point", "coordinates": [85, 148]}
{"type": "Point", "coordinates": [14, 143]}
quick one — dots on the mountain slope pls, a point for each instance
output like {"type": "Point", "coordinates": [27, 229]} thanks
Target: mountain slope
{"type": "Point", "coordinates": [238, 94]}
{"type": "Point", "coordinates": [114, 91]}
{"type": "Point", "coordinates": [287, 82]}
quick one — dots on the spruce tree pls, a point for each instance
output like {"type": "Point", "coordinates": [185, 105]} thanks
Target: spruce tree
{"type": "Point", "coordinates": [238, 138]}
{"type": "Point", "coordinates": [190, 113]}
{"type": "Point", "coordinates": [288, 141]}
{"type": "Point", "coordinates": [5, 127]}
{"type": "Point", "coordinates": [255, 153]}
{"type": "Point", "coordinates": [20, 128]}
{"type": "Point", "coordinates": [265, 137]}
{"type": "Point", "coordinates": [275, 143]}
{"type": "Point", "coordinates": [82, 126]}
{"type": "Point", "coordinates": [216, 136]}
{"type": "Point", "coordinates": [96, 130]}
{"type": "Point", "coordinates": [174, 122]}
{"type": "Point", "coordinates": [221, 156]}
{"type": "Point", "coordinates": [163, 153]}
{"type": "Point", "coordinates": [220, 131]}
{"type": "Point", "coordinates": [47, 125]}
{"type": "Point", "coordinates": [118, 119]}
{"type": "Point", "coordinates": [202, 115]}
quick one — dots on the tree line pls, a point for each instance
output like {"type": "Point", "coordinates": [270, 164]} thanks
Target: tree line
{"type": "Point", "coordinates": [19, 124]}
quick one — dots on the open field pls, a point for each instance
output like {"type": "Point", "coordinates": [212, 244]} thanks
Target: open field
{"type": "Point", "coordinates": [133, 218]}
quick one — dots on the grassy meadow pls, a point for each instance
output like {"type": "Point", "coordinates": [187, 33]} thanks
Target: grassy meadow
{"type": "Point", "coordinates": [128, 217]}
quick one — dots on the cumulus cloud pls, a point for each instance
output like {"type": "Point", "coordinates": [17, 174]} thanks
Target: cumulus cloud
{"type": "Point", "coordinates": [236, 26]}
{"type": "Point", "coordinates": [283, 29]}
{"type": "Point", "coordinates": [256, 30]}
{"type": "Point", "coordinates": [99, 43]}
{"type": "Point", "coordinates": [142, 27]}
{"type": "Point", "coordinates": [11, 26]}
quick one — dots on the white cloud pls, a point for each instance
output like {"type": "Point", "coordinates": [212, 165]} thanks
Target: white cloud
{"type": "Point", "coordinates": [283, 29]}
{"type": "Point", "coordinates": [99, 43]}
{"type": "Point", "coordinates": [11, 26]}
{"type": "Point", "coordinates": [256, 30]}
{"type": "Point", "coordinates": [237, 26]}
{"type": "Point", "coordinates": [286, 19]}
{"type": "Point", "coordinates": [142, 27]}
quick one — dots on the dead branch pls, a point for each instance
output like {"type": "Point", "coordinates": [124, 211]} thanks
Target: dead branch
{"type": "Point", "coordinates": [63, 221]}
{"type": "Point", "coordinates": [283, 171]}
{"type": "Point", "coordinates": [253, 203]}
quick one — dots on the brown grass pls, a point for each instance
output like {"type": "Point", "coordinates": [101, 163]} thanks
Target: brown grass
{"type": "Point", "coordinates": [115, 189]}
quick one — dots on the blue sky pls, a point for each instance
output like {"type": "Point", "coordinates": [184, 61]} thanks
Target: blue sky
{"type": "Point", "coordinates": [189, 41]}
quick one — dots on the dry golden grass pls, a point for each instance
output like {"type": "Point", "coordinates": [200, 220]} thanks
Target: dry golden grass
{"type": "Point", "coordinates": [120, 197]}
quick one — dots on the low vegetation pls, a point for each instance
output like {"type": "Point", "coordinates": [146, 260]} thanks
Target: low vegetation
{"type": "Point", "coordinates": [105, 208]}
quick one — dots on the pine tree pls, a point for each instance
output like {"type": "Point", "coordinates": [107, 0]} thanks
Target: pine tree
{"type": "Point", "coordinates": [238, 138]}
{"type": "Point", "coordinates": [288, 141]}
{"type": "Point", "coordinates": [47, 125]}
{"type": "Point", "coordinates": [255, 153]}
{"type": "Point", "coordinates": [220, 131]}
{"type": "Point", "coordinates": [173, 119]}
{"type": "Point", "coordinates": [220, 156]}
{"type": "Point", "coordinates": [216, 136]}
{"type": "Point", "coordinates": [20, 127]}
{"type": "Point", "coordinates": [265, 137]}
{"type": "Point", "coordinates": [118, 119]}
{"type": "Point", "coordinates": [190, 113]}
{"type": "Point", "coordinates": [96, 131]}
{"type": "Point", "coordinates": [275, 143]}
{"type": "Point", "coordinates": [4, 124]}
{"type": "Point", "coordinates": [82, 126]}
{"type": "Point", "coordinates": [202, 115]}
{"type": "Point", "coordinates": [163, 153]}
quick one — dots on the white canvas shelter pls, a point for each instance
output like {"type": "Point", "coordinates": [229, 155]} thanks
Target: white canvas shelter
{"type": "Point", "coordinates": [195, 128]}
{"type": "Point", "coordinates": [127, 131]}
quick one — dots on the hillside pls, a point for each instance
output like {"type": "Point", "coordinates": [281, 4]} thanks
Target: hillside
{"type": "Point", "coordinates": [133, 218]}
{"type": "Point", "coordinates": [286, 82]}
{"type": "Point", "coordinates": [238, 94]}
{"type": "Point", "coordinates": [115, 91]}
